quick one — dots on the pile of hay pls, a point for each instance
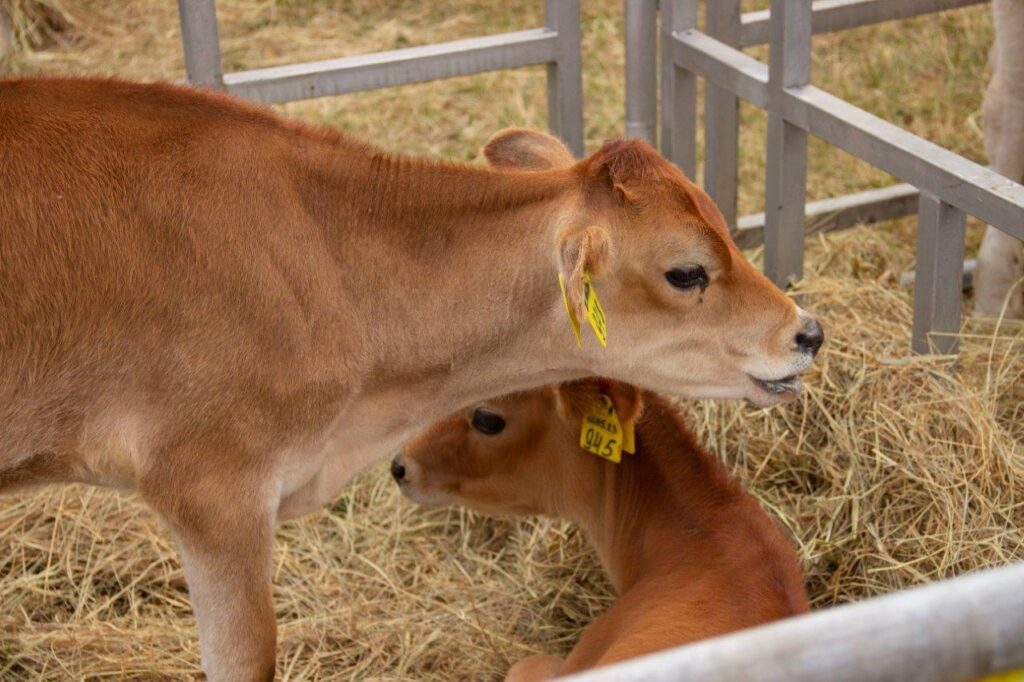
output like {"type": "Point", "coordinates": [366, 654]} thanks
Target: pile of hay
{"type": "Point", "coordinates": [891, 471]}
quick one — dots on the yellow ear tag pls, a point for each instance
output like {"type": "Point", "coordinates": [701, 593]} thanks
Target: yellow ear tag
{"type": "Point", "coordinates": [628, 438]}
{"type": "Point", "coordinates": [601, 432]}
{"type": "Point", "coordinates": [595, 315]}
{"type": "Point", "coordinates": [573, 321]}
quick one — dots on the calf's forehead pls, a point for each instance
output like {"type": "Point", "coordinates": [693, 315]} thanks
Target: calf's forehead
{"type": "Point", "coordinates": [671, 204]}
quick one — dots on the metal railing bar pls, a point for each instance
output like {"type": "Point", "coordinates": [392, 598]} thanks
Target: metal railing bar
{"type": "Point", "coordinates": [641, 25]}
{"type": "Point", "coordinates": [969, 186]}
{"type": "Point", "coordinates": [957, 629]}
{"type": "Point", "coordinates": [838, 15]}
{"type": "Point", "coordinates": [564, 72]}
{"type": "Point", "coordinates": [201, 42]}
{"type": "Point", "coordinates": [678, 89]}
{"type": "Point", "coordinates": [938, 282]}
{"type": "Point", "coordinates": [722, 118]}
{"type": "Point", "coordinates": [396, 67]}
{"type": "Point", "coordinates": [838, 213]}
{"type": "Point", "coordinates": [726, 67]}
{"type": "Point", "coordinates": [789, 65]}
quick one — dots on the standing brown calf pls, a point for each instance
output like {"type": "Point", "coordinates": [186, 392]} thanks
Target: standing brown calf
{"type": "Point", "coordinates": [689, 553]}
{"type": "Point", "coordinates": [234, 314]}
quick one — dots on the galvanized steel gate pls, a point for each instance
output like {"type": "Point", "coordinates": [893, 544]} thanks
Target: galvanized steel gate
{"type": "Point", "coordinates": [557, 45]}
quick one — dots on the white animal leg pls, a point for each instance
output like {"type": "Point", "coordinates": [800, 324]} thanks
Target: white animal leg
{"type": "Point", "coordinates": [1001, 257]}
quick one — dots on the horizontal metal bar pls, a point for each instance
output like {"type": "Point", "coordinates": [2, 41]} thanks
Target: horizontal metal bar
{"type": "Point", "coordinates": [969, 186]}
{"type": "Point", "coordinates": [397, 67]}
{"type": "Point", "coordinates": [838, 15]}
{"type": "Point", "coordinates": [724, 66]}
{"type": "Point", "coordinates": [959, 629]}
{"type": "Point", "coordinates": [839, 213]}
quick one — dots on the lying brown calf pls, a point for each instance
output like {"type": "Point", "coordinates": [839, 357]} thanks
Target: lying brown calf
{"type": "Point", "coordinates": [233, 314]}
{"type": "Point", "coordinates": [689, 553]}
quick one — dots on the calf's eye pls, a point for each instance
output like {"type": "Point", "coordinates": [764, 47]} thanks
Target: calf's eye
{"type": "Point", "coordinates": [691, 277]}
{"type": "Point", "coordinates": [487, 422]}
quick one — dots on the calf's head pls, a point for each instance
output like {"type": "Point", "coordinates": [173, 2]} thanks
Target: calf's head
{"type": "Point", "coordinates": [686, 312]}
{"type": "Point", "coordinates": [518, 454]}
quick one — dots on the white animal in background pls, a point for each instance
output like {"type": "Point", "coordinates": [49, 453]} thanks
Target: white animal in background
{"type": "Point", "coordinates": [1000, 268]}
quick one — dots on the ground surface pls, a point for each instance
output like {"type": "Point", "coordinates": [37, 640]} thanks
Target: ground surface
{"type": "Point", "coordinates": [889, 472]}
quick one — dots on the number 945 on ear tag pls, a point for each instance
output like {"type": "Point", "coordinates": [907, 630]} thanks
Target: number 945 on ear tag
{"type": "Point", "coordinates": [601, 432]}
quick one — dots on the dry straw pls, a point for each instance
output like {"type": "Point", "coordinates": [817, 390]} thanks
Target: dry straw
{"type": "Point", "coordinates": [30, 25]}
{"type": "Point", "coordinates": [890, 471]}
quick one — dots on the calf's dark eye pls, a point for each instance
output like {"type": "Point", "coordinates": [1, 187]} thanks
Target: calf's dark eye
{"type": "Point", "coordinates": [692, 277]}
{"type": "Point", "coordinates": [487, 423]}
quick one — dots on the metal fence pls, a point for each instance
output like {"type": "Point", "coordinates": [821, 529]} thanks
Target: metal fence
{"type": "Point", "coordinates": [556, 45]}
{"type": "Point", "coordinates": [942, 186]}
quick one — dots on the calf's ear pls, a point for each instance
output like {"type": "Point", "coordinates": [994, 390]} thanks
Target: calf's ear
{"type": "Point", "coordinates": [625, 167]}
{"type": "Point", "coordinates": [628, 401]}
{"type": "Point", "coordinates": [581, 250]}
{"type": "Point", "coordinates": [576, 398]}
{"type": "Point", "coordinates": [525, 149]}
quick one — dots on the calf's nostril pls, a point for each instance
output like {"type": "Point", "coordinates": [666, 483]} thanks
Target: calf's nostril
{"type": "Point", "coordinates": [397, 470]}
{"type": "Point", "coordinates": [810, 338]}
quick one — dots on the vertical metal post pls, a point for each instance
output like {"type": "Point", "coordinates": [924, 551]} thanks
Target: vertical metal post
{"type": "Point", "coordinates": [722, 118]}
{"type": "Point", "coordinates": [201, 42]}
{"type": "Point", "coordinates": [565, 75]}
{"type": "Point", "coordinates": [678, 89]}
{"type": "Point", "coordinates": [641, 17]}
{"type": "Point", "coordinates": [938, 282]}
{"type": "Point", "coordinates": [789, 65]}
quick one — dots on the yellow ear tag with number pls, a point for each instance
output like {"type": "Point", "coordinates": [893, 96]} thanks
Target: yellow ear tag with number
{"type": "Point", "coordinates": [601, 432]}
{"type": "Point", "coordinates": [595, 315]}
{"type": "Point", "coordinates": [573, 321]}
{"type": "Point", "coordinates": [628, 438]}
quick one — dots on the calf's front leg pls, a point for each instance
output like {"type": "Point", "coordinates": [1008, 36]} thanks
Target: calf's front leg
{"type": "Point", "coordinates": [224, 526]}
{"type": "Point", "coordinates": [230, 589]}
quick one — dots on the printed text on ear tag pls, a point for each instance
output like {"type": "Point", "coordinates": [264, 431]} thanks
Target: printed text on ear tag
{"type": "Point", "coordinates": [573, 321]}
{"type": "Point", "coordinates": [628, 438]}
{"type": "Point", "coordinates": [595, 315]}
{"type": "Point", "coordinates": [601, 432]}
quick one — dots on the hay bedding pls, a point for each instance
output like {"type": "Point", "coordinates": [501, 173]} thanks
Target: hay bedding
{"type": "Point", "coordinates": [889, 472]}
